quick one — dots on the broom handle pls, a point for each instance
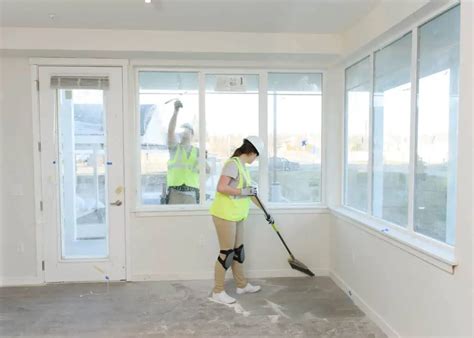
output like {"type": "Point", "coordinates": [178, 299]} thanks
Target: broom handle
{"type": "Point", "coordinates": [267, 215]}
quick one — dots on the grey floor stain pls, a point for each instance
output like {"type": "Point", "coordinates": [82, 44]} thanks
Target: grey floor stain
{"type": "Point", "coordinates": [285, 307]}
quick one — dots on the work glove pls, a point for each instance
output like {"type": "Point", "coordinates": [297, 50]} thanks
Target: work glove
{"type": "Point", "coordinates": [178, 104]}
{"type": "Point", "coordinates": [270, 219]}
{"type": "Point", "coordinates": [249, 191]}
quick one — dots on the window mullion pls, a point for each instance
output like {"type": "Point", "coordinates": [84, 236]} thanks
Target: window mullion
{"type": "Point", "coordinates": [263, 131]}
{"type": "Point", "coordinates": [413, 130]}
{"type": "Point", "coordinates": [202, 138]}
{"type": "Point", "coordinates": [370, 163]}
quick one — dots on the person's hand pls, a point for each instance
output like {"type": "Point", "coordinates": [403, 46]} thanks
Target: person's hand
{"type": "Point", "coordinates": [249, 191]}
{"type": "Point", "coordinates": [178, 104]}
{"type": "Point", "coordinates": [270, 219]}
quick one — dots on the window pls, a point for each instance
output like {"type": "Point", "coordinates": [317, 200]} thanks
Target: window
{"type": "Point", "coordinates": [358, 84]}
{"type": "Point", "coordinates": [435, 180]}
{"type": "Point", "coordinates": [412, 184]}
{"type": "Point", "coordinates": [231, 115]}
{"type": "Point", "coordinates": [222, 108]}
{"type": "Point", "coordinates": [391, 131]}
{"type": "Point", "coordinates": [161, 139]}
{"type": "Point", "coordinates": [294, 137]}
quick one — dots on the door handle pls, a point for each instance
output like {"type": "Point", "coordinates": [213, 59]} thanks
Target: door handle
{"type": "Point", "coordinates": [117, 203]}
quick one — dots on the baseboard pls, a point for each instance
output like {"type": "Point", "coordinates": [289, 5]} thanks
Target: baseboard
{"type": "Point", "coordinates": [210, 275]}
{"type": "Point", "coordinates": [371, 313]}
{"type": "Point", "coordinates": [17, 281]}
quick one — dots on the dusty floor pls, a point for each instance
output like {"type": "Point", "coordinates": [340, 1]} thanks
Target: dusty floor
{"type": "Point", "coordinates": [286, 307]}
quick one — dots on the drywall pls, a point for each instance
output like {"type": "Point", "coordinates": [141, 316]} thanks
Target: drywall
{"type": "Point", "coordinates": [404, 294]}
{"type": "Point", "coordinates": [160, 247]}
{"type": "Point", "coordinates": [1, 166]}
{"type": "Point", "coordinates": [382, 18]}
{"type": "Point", "coordinates": [161, 41]}
{"type": "Point", "coordinates": [186, 247]}
{"type": "Point", "coordinates": [18, 240]}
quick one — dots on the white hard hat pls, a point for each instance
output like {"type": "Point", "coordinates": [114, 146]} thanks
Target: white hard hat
{"type": "Point", "coordinates": [256, 142]}
{"type": "Point", "coordinates": [188, 126]}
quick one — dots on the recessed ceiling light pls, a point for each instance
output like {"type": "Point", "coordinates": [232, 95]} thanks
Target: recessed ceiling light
{"type": "Point", "coordinates": [148, 1]}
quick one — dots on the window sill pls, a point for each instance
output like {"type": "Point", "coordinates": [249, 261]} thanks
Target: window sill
{"type": "Point", "coordinates": [198, 210]}
{"type": "Point", "coordinates": [435, 253]}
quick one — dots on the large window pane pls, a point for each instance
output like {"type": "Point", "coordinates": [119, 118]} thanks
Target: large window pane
{"type": "Point", "coordinates": [231, 115]}
{"type": "Point", "coordinates": [163, 146]}
{"type": "Point", "coordinates": [357, 134]}
{"type": "Point", "coordinates": [391, 131]}
{"type": "Point", "coordinates": [294, 137]}
{"type": "Point", "coordinates": [438, 69]}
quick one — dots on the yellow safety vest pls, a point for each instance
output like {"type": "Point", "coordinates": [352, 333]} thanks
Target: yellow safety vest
{"type": "Point", "coordinates": [233, 208]}
{"type": "Point", "coordinates": [183, 169]}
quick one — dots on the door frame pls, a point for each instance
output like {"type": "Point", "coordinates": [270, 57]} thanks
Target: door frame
{"type": "Point", "coordinates": [35, 63]}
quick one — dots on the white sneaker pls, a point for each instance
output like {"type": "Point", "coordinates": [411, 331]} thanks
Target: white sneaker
{"type": "Point", "coordinates": [249, 288]}
{"type": "Point", "coordinates": [223, 297]}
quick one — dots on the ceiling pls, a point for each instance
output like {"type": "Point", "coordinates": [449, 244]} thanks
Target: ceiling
{"type": "Point", "coordinates": [261, 16]}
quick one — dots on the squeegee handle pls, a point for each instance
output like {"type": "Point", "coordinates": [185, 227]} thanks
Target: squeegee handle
{"type": "Point", "coordinates": [267, 215]}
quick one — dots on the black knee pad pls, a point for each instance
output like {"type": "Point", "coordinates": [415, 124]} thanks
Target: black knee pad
{"type": "Point", "coordinates": [229, 257]}
{"type": "Point", "coordinates": [239, 254]}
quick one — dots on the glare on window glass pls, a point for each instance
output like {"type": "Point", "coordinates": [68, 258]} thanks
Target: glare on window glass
{"type": "Point", "coordinates": [357, 135]}
{"type": "Point", "coordinates": [391, 131]}
{"type": "Point", "coordinates": [169, 137]}
{"type": "Point", "coordinates": [231, 115]}
{"type": "Point", "coordinates": [294, 142]}
{"type": "Point", "coordinates": [435, 178]}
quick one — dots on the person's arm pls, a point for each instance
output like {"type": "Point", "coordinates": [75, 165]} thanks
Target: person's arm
{"type": "Point", "coordinates": [224, 188]}
{"type": "Point", "coordinates": [172, 124]}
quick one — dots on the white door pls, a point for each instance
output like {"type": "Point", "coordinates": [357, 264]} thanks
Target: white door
{"type": "Point", "coordinates": [81, 117]}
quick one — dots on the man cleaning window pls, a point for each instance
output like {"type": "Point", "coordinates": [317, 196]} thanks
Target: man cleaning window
{"type": "Point", "coordinates": [183, 165]}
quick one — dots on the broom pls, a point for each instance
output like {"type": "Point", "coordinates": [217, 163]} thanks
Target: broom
{"type": "Point", "coordinates": [294, 263]}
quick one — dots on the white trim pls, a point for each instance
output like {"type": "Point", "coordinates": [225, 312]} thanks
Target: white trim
{"type": "Point", "coordinates": [78, 62]}
{"type": "Point", "coordinates": [204, 211]}
{"type": "Point", "coordinates": [128, 157]}
{"type": "Point", "coordinates": [428, 250]}
{"type": "Point", "coordinates": [323, 198]}
{"type": "Point", "coordinates": [37, 171]}
{"type": "Point", "coordinates": [188, 64]}
{"type": "Point", "coordinates": [264, 187]}
{"type": "Point", "coordinates": [20, 281]}
{"type": "Point", "coordinates": [218, 69]}
{"type": "Point", "coordinates": [136, 137]}
{"type": "Point", "coordinates": [359, 302]}
{"type": "Point", "coordinates": [202, 137]}
{"type": "Point", "coordinates": [370, 160]}
{"type": "Point", "coordinates": [209, 275]}
{"type": "Point", "coordinates": [413, 129]}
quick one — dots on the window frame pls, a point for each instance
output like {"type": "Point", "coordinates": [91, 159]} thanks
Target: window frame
{"type": "Point", "coordinates": [202, 72]}
{"type": "Point", "coordinates": [440, 253]}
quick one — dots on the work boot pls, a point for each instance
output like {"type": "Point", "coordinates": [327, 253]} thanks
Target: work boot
{"type": "Point", "coordinates": [249, 288]}
{"type": "Point", "coordinates": [223, 297]}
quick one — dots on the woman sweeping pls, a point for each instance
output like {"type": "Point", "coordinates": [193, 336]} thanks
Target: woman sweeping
{"type": "Point", "coordinates": [229, 211]}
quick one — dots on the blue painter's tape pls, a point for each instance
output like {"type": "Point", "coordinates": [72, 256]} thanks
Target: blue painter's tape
{"type": "Point", "coordinates": [109, 163]}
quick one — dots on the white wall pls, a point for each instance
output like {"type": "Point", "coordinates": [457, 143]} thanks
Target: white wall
{"type": "Point", "coordinates": [18, 240]}
{"type": "Point", "coordinates": [163, 247]}
{"type": "Point", "coordinates": [403, 293]}
{"type": "Point", "coordinates": [186, 247]}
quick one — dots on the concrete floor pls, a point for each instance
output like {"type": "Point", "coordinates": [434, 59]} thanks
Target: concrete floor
{"type": "Point", "coordinates": [286, 307]}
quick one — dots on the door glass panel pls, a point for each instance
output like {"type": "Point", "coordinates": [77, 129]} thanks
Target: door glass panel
{"type": "Point", "coordinates": [82, 173]}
